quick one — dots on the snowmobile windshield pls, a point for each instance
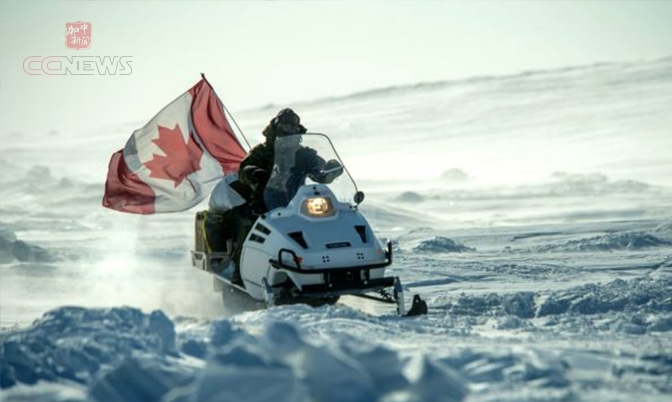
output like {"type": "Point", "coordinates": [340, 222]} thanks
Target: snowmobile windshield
{"type": "Point", "coordinates": [306, 159]}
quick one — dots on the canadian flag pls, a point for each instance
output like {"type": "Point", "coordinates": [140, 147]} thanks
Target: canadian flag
{"type": "Point", "coordinates": [175, 160]}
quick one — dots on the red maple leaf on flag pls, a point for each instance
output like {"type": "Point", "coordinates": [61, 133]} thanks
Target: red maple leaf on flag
{"type": "Point", "coordinates": [182, 158]}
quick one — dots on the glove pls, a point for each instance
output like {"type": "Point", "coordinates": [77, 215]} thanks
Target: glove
{"type": "Point", "coordinates": [332, 166]}
{"type": "Point", "coordinates": [254, 175]}
{"type": "Point", "coordinates": [260, 176]}
{"type": "Point", "coordinates": [329, 172]}
{"type": "Point", "coordinates": [258, 206]}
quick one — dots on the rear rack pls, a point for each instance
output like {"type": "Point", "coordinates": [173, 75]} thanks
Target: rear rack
{"type": "Point", "coordinates": [209, 262]}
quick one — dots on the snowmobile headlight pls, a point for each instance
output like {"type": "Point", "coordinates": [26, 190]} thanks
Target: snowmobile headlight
{"type": "Point", "coordinates": [318, 207]}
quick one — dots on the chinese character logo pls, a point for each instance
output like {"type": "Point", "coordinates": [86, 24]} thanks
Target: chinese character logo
{"type": "Point", "coordinates": [78, 35]}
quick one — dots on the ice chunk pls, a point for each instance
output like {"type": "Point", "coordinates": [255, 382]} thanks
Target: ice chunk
{"type": "Point", "coordinates": [436, 381]}
{"type": "Point", "coordinates": [74, 343]}
{"type": "Point", "coordinates": [142, 378]}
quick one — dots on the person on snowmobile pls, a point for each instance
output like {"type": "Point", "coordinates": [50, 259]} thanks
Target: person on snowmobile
{"type": "Point", "coordinates": [255, 172]}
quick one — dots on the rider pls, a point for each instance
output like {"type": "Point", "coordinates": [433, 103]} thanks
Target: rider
{"type": "Point", "coordinates": [255, 171]}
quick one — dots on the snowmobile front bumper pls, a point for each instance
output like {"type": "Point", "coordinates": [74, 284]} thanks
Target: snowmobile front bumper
{"type": "Point", "coordinates": [333, 289]}
{"type": "Point", "coordinates": [351, 281]}
{"type": "Point", "coordinates": [278, 264]}
{"type": "Point", "coordinates": [338, 281]}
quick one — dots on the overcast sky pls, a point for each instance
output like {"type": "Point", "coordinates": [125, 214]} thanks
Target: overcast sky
{"type": "Point", "coordinates": [257, 53]}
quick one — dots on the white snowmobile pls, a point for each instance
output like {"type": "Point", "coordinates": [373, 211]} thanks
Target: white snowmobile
{"type": "Point", "coordinates": [313, 245]}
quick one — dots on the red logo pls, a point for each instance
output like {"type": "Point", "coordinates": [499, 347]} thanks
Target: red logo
{"type": "Point", "coordinates": [78, 35]}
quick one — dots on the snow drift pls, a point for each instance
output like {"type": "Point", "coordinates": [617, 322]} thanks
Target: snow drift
{"type": "Point", "coordinates": [440, 244]}
{"type": "Point", "coordinates": [122, 354]}
{"type": "Point", "coordinates": [647, 298]}
{"type": "Point", "coordinates": [608, 242]}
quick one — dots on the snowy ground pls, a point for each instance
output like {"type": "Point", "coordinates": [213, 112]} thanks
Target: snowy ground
{"type": "Point", "coordinates": [533, 212]}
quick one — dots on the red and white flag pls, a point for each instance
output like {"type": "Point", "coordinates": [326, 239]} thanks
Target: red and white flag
{"type": "Point", "coordinates": [175, 160]}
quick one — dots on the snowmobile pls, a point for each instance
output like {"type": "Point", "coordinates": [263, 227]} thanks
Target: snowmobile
{"type": "Point", "coordinates": [313, 245]}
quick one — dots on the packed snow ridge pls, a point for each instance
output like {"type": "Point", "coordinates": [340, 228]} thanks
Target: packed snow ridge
{"type": "Point", "coordinates": [608, 242]}
{"type": "Point", "coordinates": [646, 301]}
{"type": "Point", "coordinates": [122, 354]}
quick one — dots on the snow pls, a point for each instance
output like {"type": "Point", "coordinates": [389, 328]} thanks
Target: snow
{"type": "Point", "coordinates": [531, 211]}
{"type": "Point", "coordinates": [440, 244]}
{"type": "Point", "coordinates": [13, 248]}
{"type": "Point", "coordinates": [122, 354]}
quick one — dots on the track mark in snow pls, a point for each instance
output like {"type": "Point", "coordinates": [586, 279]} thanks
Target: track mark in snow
{"type": "Point", "coordinates": [531, 235]}
{"type": "Point", "coordinates": [432, 282]}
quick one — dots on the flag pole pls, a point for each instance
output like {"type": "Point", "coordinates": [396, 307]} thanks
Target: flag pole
{"type": "Point", "coordinates": [227, 111]}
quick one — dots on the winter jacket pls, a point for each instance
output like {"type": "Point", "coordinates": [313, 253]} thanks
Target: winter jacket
{"type": "Point", "coordinates": [262, 156]}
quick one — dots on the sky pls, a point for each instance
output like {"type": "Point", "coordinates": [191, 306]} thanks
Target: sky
{"type": "Point", "coordinates": [259, 53]}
